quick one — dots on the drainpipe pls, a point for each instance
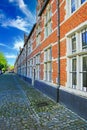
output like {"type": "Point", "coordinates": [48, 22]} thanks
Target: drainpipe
{"type": "Point", "coordinates": [58, 36]}
{"type": "Point", "coordinates": [26, 60]}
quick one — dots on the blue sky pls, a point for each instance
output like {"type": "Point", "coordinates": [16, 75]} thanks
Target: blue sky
{"type": "Point", "coordinates": [16, 18]}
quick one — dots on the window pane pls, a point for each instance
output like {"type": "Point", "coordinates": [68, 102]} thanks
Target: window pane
{"type": "Point", "coordinates": [49, 28]}
{"type": "Point", "coordinates": [49, 54]}
{"type": "Point", "coordinates": [45, 67]}
{"type": "Point", "coordinates": [73, 64]}
{"type": "Point", "coordinates": [50, 13]}
{"type": "Point", "coordinates": [50, 76]}
{"type": "Point", "coordinates": [82, 1]}
{"type": "Point", "coordinates": [45, 71]}
{"type": "Point", "coordinates": [49, 71]}
{"type": "Point", "coordinates": [74, 79]}
{"type": "Point", "coordinates": [85, 79]}
{"type": "Point", "coordinates": [45, 56]}
{"type": "Point", "coordinates": [84, 63]}
{"type": "Point", "coordinates": [46, 30]}
{"type": "Point", "coordinates": [46, 18]}
{"type": "Point", "coordinates": [45, 75]}
{"type": "Point", "coordinates": [72, 6]}
{"type": "Point", "coordinates": [84, 39]}
{"type": "Point", "coordinates": [85, 71]}
{"type": "Point", "coordinates": [34, 61]}
{"type": "Point", "coordinates": [74, 43]}
{"type": "Point", "coordinates": [49, 66]}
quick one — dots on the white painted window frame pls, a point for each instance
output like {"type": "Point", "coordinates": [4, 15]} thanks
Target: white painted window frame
{"type": "Point", "coordinates": [48, 22]}
{"type": "Point", "coordinates": [38, 35]}
{"type": "Point", "coordinates": [68, 7]}
{"type": "Point", "coordinates": [47, 61]}
{"type": "Point", "coordinates": [37, 76]}
{"type": "Point", "coordinates": [80, 53]}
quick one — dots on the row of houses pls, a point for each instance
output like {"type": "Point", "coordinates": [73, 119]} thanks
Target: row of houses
{"type": "Point", "coordinates": [54, 56]}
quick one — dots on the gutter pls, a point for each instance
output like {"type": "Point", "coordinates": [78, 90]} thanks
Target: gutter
{"type": "Point", "coordinates": [58, 36]}
{"type": "Point", "coordinates": [26, 59]}
{"type": "Point", "coordinates": [43, 7]}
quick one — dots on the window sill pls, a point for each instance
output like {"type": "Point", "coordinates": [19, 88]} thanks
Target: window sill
{"type": "Point", "coordinates": [81, 52]}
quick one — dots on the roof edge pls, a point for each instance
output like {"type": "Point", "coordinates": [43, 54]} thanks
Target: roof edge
{"type": "Point", "coordinates": [30, 34]}
{"type": "Point", "coordinates": [43, 7]}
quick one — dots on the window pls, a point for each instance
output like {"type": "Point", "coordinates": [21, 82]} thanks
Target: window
{"type": "Point", "coordinates": [47, 65]}
{"type": "Point", "coordinates": [49, 54]}
{"type": "Point", "coordinates": [31, 71]}
{"type": "Point", "coordinates": [38, 66]}
{"type": "Point", "coordinates": [34, 61]}
{"type": "Point", "coordinates": [73, 43]}
{"type": "Point", "coordinates": [85, 71]}
{"type": "Point", "coordinates": [84, 38]}
{"type": "Point", "coordinates": [77, 62]}
{"type": "Point", "coordinates": [48, 23]}
{"type": "Point", "coordinates": [82, 1]}
{"type": "Point", "coordinates": [49, 71]}
{"type": "Point", "coordinates": [45, 56]}
{"type": "Point", "coordinates": [29, 46]}
{"type": "Point", "coordinates": [45, 71]}
{"type": "Point", "coordinates": [38, 37]}
{"type": "Point", "coordinates": [73, 8]}
{"type": "Point", "coordinates": [74, 79]}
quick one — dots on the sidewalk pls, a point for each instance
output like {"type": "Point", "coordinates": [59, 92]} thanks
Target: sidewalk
{"type": "Point", "coordinates": [24, 108]}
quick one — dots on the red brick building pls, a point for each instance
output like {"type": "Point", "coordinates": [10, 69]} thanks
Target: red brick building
{"type": "Point", "coordinates": [54, 56]}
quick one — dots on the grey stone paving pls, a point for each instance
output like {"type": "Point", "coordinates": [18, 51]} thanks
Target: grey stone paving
{"type": "Point", "coordinates": [24, 108]}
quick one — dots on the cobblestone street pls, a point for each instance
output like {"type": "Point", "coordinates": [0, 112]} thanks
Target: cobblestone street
{"type": "Point", "coordinates": [24, 108]}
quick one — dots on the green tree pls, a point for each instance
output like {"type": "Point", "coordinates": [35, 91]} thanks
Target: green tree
{"type": "Point", "coordinates": [3, 62]}
{"type": "Point", "coordinates": [11, 68]}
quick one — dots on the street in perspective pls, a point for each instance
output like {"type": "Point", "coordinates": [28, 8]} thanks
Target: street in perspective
{"type": "Point", "coordinates": [43, 65]}
{"type": "Point", "coordinates": [22, 107]}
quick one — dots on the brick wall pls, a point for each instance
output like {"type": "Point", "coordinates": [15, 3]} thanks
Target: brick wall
{"type": "Point", "coordinates": [66, 25]}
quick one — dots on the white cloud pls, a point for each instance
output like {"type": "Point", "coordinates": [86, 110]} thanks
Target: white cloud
{"type": "Point", "coordinates": [18, 23]}
{"type": "Point", "coordinates": [9, 56]}
{"type": "Point", "coordinates": [26, 11]}
{"type": "Point", "coordinates": [18, 43]}
{"type": "Point", "coordinates": [23, 7]}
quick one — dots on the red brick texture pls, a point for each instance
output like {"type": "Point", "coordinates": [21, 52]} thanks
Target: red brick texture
{"type": "Point", "coordinates": [66, 25]}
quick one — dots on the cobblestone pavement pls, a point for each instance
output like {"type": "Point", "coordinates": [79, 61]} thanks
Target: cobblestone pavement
{"type": "Point", "coordinates": [24, 108]}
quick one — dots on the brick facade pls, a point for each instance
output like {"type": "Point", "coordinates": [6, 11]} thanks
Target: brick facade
{"type": "Point", "coordinates": [70, 24]}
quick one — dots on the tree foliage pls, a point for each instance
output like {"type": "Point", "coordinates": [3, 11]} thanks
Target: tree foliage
{"type": "Point", "coordinates": [11, 68]}
{"type": "Point", "coordinates": [3, 62]}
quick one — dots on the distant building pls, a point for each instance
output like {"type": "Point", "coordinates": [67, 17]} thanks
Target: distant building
{"type": "Point", "coordinates": [54, 56]}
